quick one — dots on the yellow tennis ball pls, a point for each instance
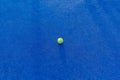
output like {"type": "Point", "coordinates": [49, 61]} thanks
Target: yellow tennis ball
{"type": "Point", "coordinates": [60, 40]}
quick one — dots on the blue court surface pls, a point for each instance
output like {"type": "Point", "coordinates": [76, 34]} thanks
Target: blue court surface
{"type": "Point", "coordinates": [28, 39]}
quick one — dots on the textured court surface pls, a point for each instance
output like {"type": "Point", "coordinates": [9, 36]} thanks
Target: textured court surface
{"type": "Point", "coordinates": [29, 30]}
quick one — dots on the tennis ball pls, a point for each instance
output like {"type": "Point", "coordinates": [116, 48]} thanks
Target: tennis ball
{"type": "Point", "coordinates": [60, 40]}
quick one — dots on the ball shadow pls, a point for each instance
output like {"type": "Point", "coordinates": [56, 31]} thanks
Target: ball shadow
{"type": "Point", "coordinates": [62, 53]}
